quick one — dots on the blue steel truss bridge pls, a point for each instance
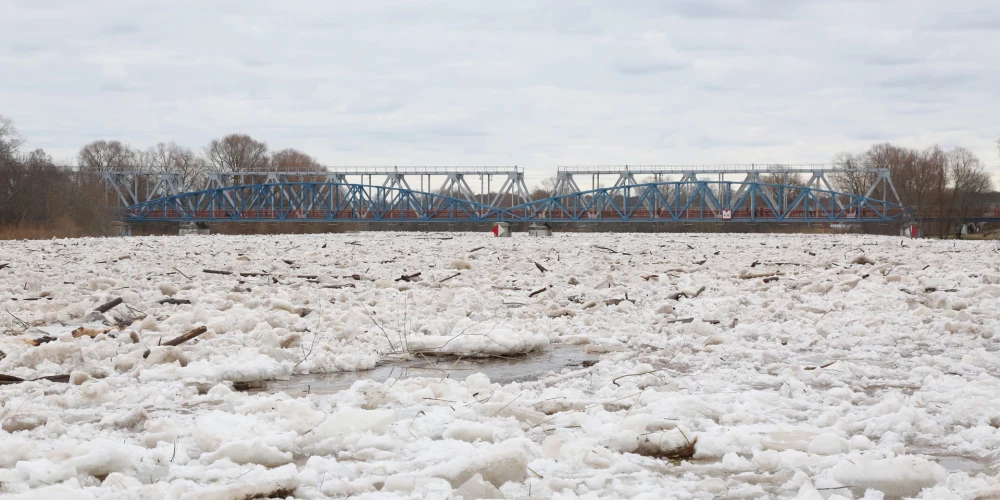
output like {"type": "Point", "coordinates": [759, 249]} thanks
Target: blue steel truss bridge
{"type": "Point", "coordinates": [715, 193]}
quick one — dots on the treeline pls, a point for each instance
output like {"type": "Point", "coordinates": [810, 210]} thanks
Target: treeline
{"type": "Point", "coordinates": [232, 153]}
{"type": "Point", "coordinates": [39, 198]}
{"type": "Point", "coordinates": [949, 186]}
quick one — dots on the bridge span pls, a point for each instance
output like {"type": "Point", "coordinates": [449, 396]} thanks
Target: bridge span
{"type": "Point", "coordinates": [730, 193]}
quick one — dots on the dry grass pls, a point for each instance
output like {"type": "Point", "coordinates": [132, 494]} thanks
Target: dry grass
{"type": "Point", "coordinates": [60, 228]}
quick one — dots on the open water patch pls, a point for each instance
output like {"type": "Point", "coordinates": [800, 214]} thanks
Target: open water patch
{"type": "Point", "coordinates": [502, 370]}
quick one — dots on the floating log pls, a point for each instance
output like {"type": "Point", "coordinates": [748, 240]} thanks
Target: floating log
{"type": "Point", "coordinates": [180, 340]}
{"type": "Point", "coordinates": [109, 305]}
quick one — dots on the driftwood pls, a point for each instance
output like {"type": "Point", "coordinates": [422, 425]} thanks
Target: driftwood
{"type": "Point", "coordinates": [540, 267]}
{"type": "Point", "coordinates": [615, 302]}
{"type": "Point", "coordinates": [470, 251]}
{"type": "Point", "coordinates": [770, 279]}
{"type": "Point", "coordinates": [44, 339]}
{"type": "Point", "coordinates": [408, 277]}
{"type": "Point", "coordinates": [650, 277]}
{"type": "Point", "coordinates": [215, 271]}
{"type": "Point", "coordinates": [820, 366]}
{"type": "Point", "coordinates": [606, 249]}
{"type": "Point", "coordinates": [10, 379]}
{"type": "Point", "coordinates": [678, 295]}
{"type": "Point", "coordinates": [688, 320]}
{"type": "Point", "coordinates": [89, 332]}
{"type": "Point", "coordinates": [109, 306]}
{"type": "Point", "coordinates": [174, 301]}
{"type": "Point", "coordinates": [750, 276]}
{"type": "Point", "coordinates": [536, 292]}
{"type": "Point", "coordinates": [4, 265]}
{"type": "Point", "coordinates": [345, 285]}
{"type": "Point", "coordinates": [180, 340]}
{"type": "Point", "coordinates": [450, 277]}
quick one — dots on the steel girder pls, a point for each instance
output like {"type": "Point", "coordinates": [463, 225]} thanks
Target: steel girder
{"type": "Point", "coordinates": [682, 201]}
{"type": "Point", "coordinates": [135, 187]}
{"type": "Point", "coordinates": [308, 201]}
{"type": "Point", "coordinates": [750, 200]}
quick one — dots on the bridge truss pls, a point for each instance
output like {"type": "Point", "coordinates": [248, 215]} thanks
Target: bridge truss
{"type": "Point", "coordinates": [688, 200]}
{"type": "Point", "coordinates": [494, 186]}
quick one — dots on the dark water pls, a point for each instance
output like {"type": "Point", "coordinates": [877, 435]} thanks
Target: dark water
{"type": "Point", "coordinates": [520, 368]}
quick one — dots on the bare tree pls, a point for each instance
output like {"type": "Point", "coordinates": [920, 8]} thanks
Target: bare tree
{"type": "Point", "coordinates": [173, 158]}
{"type": "Point", "coordinates": [851, 178]}
{"type": "Point", "coordinates": [237, 153]}
{"type": "Point", "coordinates": [293, 160]}
{"type": "Point", "coordinates": [109, 156]}
{"type": "Point", "coordinates": [545, 189]}
{"type": "Point", "coordinates": [10, 140]}
{"type": "Point", "coordinates": [970, 180]}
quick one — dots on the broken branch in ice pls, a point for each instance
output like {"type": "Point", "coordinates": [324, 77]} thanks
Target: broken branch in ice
{"type": "Point", "coordinates": [180, 340]}
{"type": "Point", "coordinates": [450, 277]}
{"type": "Point", "coordinates": [24, 324]}
{"type": "Point", "coordinates": [109, 305]}
{"type": "Point", "coordinates": [686, 294]}
{"type": "Point", "coordinates": [174, 301]}
{"type": "Point", "coordinates": [10, 379]}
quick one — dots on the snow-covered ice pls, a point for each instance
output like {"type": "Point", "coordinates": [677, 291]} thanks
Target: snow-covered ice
{"type": "Point", "coordinates": [794, 366]}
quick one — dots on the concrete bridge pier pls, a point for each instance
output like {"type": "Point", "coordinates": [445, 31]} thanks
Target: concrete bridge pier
{"type": "Point", "coordinates": [119, 228]}
{"type": "Point", "coordinates": [187, 228]}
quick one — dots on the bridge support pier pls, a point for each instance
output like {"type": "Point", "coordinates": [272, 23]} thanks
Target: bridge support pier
{"type": "Point", "coordinates": [187, 228]}
{"type": "Point", "coordinates": [539, 230]}
{"type": "Point", "coordinates": [119, 228]}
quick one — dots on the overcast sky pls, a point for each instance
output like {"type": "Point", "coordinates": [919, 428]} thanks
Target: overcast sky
{"type": "Point", "coordinates": [532, 83]}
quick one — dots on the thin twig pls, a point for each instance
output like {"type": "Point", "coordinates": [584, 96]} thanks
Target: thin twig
{"type": "Point", "coordinates": [508, 404]}
{"type": "Point", "coordinates": [24, 324]}
{"type": "Point", "coordinates": [182, 273]}
{"type": "Point", "coordinates": [386, 334]}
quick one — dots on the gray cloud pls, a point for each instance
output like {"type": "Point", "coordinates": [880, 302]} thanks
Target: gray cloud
{"type": "Point", "coordinates": [533, 83]}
